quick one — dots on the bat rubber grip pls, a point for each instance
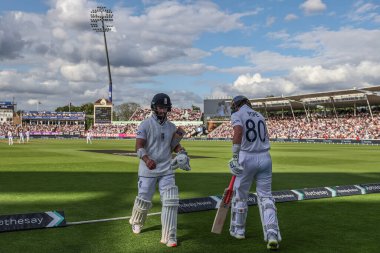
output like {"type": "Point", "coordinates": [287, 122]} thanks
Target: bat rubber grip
{"type": "Point", "coordinates": [230, 190]}
{"type": "Point", "coordinates": [231, 186]}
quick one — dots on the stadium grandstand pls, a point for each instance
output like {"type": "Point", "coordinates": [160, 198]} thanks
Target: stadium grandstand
{"type": "Point", "coordinates": [6, 112]}
{"type": "Point", "coordinates": [344, 114]}
{"type": "Point", "coordinates": [352, 114]}
{"type": "Point", "coordinates": [46, 123]}
{"type": "Point", "coordinates": [188, 119]}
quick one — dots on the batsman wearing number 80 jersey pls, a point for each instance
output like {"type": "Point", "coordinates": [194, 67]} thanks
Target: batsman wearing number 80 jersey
{"type": "Point", "coordinates": [251, 161]}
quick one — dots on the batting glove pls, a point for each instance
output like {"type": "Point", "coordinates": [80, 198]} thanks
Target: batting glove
{"type": "Point", "coordinates": [235, 167]}
{"type": "Point", "coordinates": [181, 161]}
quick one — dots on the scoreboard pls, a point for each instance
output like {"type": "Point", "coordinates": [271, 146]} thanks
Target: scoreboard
{"type": "Point", "coordinates": [103, 115]}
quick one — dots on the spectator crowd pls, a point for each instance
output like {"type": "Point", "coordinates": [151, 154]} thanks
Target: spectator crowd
{"type": "Point", "coordinates": [41, 129]}
{"type": "Point", "coordinates": [346, 126]}
{"type": "Point", "coordinates": [176, 114]}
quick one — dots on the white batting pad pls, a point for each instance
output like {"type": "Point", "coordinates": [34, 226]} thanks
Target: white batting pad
{"type": "Point", "coordinates": [140, 211]}
{"type": "Point", "coordinates": [170, 203]}
{"type": "Point", "coordinates": [239, 211]}
{"type": "Point", "coordinates": [268, 215]}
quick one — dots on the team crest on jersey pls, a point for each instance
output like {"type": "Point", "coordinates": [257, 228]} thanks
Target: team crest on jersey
{"type": "Point", "coordinates": [138, 132]}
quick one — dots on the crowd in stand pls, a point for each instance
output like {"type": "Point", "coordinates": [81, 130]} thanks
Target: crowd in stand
{"type": "Point", "coordinates": [176, 114]}
{"type": "Point", "coordinates": [113, 130]}
{"type": "Point", "coordinates": [54, 128]}
{"type": "Point", "coordinates": [41, 129]}
{"type": "Point", "coordinates": [346, 126]}
{"type": "Point", "coordinates": [140, 114]}
{"type": "Point", "coordinates": [5, 128]}
{"type": "Point", "coordinates": [129, 130]}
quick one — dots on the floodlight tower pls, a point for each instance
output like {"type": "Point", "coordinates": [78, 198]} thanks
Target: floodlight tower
{"type": "Point", "coordinates": [102, 14]}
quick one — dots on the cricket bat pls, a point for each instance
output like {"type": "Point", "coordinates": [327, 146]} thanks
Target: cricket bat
{"type": "Point", "coordinates": [177, 137]}
{"type": "Point", "coordinates": [223, 209]}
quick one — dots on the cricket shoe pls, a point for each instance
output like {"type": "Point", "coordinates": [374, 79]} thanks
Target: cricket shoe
{"type": "Point", "coordinates": [238, 236]}
{"type": "Point", "coordinates": [272, 242]}
{"type": "Point", "coordinates": [136, 228]}
{"type": "Point", "coordinates": [172, 242]}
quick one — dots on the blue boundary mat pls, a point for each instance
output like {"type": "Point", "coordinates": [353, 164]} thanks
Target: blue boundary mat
{"type": "Point", "coordinates": [212, 202]}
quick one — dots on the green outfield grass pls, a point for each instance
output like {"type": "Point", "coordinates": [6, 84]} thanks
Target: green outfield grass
{"type": "Point", "coordinates": [49, 175]}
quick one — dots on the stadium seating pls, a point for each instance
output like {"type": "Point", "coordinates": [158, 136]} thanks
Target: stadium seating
{"type": "Point", "coordinates": [346, 126]}
{"type": "Point", "coordinates": [176, 114]}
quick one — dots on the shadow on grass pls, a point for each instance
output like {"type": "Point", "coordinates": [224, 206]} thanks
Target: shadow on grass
{"type": "Point", "coordinates": [328, 225]}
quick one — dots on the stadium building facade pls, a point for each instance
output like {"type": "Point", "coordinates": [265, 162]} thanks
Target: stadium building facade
{"type": "Point", "coordinates": [47, 123]}
{"type": "Point", "coordinates": [6, 112]}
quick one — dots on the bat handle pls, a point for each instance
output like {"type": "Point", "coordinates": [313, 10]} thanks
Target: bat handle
{"type": "Point", "coordinates": [230, 190]}
{"type": "Point", "coordinates": [231, 186]}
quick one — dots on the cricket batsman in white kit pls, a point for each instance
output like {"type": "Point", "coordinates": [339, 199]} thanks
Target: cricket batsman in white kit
{"type": "Point", "coordinates": [154, 146]}
{"type": "Point", "coordinates": [251, 160]}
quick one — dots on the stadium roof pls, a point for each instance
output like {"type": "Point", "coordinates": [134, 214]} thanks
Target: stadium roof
{"type": "Point", "coordinates": [338, 98]}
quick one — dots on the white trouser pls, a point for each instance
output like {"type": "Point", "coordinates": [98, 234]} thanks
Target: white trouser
{"type": "Point", "coordinates": [258, 167]}
{"type": "Point", "coordinates": [147, 185]}
{"type": "Point", "coordinates": [146, 189]}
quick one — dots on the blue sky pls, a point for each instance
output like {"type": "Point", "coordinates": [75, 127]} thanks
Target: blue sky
{"type": "Point", "coordinates": [188, 49]}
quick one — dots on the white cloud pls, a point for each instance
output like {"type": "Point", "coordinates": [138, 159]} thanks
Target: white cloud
{"type": "Point", "coordinates": [337, 47]}
{"type": "Point", "coordinates": [314, 78]}
{"type": "Point", "coordinates": [196, 54]}
{"type": "Point", "coordinates": [317, 75]}
{"type": "Point", "coordinates": [339, 59]}
{"type": "Point", "coordinates": [369, 69]}
{"type": "Point", "coordinates": [60, 54]}
{"type": "Point", "coordinates": [313, 6]}
{"type": "Point", "coordinates": [78, 72]}
{"type": "Point", "coordinates": [74, 14]}
{"type": "Point", "coordinates": [266, 61]}
{"type": "Point", "coordinates": [95, 93]}
{"type": "Point", "coordinates": [33, 101]}
{"type": "Point", "coordinates": [279, 35]}
{"type": "Point", "coordinates": [270, 21]}
{"type": "Point", "coordinates": [365, 11]}
{"type": "Point", "coordinates": [255, 86]}
{"type": "Point", "coordinates": [59, 33]}
{"type": "Point", "coordinates": [50, 54]}
{"type": "Point", "coordinates": [290, 17]}
{"type": "Point", "coordinates": [234, 51]}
